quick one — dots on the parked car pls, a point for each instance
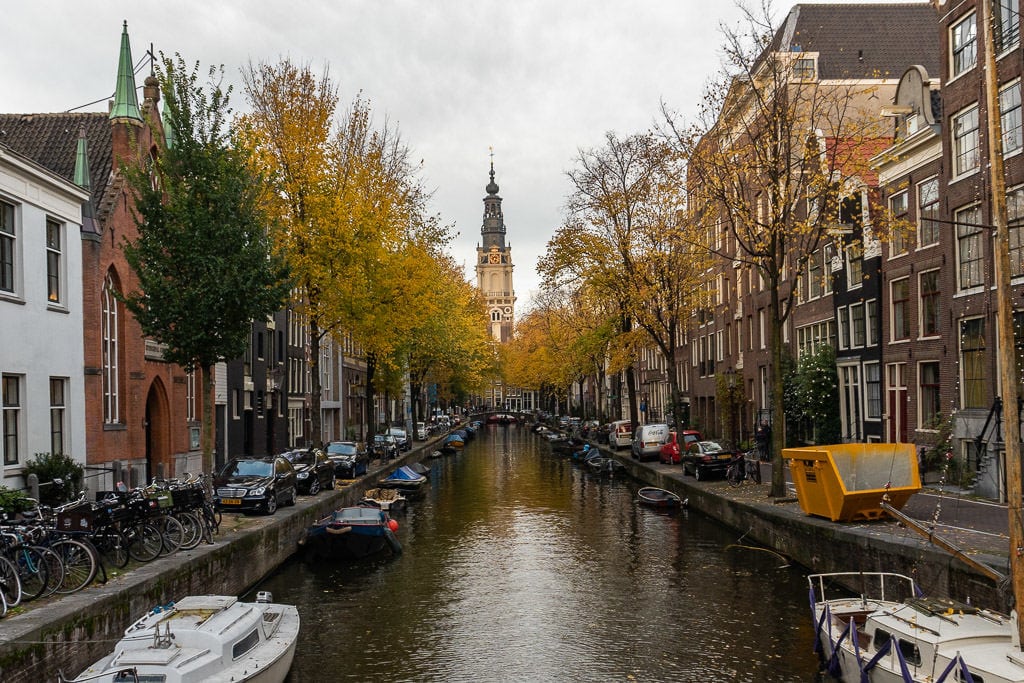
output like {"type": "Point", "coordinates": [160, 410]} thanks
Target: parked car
{"type": "Point", "coordinates": [648, 440]}
{"type": "Point", "coordinates": [255, 485]}
{"type": "Point", "coordinates": [385, 446]}
{"type": "Point", "coordinates": [421, 431]}
{"type": "Point", "coordinates": [620, 433]}
{"type": "Point", "coordinates": [404, 442]}
{"type": "Point", "coordinates": [706, 459]}
{"type": "Point", "coordinates": [313, 471]}
{"type": "Point", "coordinates": [349, 458]}
{"type": "Point", "coordinates": [671, 452]}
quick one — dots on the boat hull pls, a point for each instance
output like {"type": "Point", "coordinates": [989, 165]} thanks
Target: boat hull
{"type": "Point", "coordinates": [351, 534]}
{"type": "Point", "coordinates": [658, 498]}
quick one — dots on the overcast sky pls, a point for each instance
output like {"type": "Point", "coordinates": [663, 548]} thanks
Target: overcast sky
{"type": "Point", "coordinates": [536, 80]}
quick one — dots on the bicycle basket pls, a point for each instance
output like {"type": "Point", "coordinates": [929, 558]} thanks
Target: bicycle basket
{"type": "Point", "coordinates": [162, 498]}
{"type": "Point", "coordinates": [80, 518]}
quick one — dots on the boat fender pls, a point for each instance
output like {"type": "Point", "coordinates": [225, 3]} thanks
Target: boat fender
{"type": "Point", "coordinates": [338, 529]}
{"type": "Point", "coordinates": [392, 525]}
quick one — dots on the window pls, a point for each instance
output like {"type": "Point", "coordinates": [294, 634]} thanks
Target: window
{"type": "Point", "coordinates": [963, 40]}
{"type": "Point", "coordinates": [8, 238]}
{"type": "Point", "coordinates": [761, 327]}
{"type": "Point", "coordinates": [930, 299]}
{"type": "Point", "coordinates": [843, 316]}
{"type": "Point", "coordinates": [828, 253]}
{"type": "Point", "coordinates": [190, 396]}
{"type": "Point", "coordinates": [109, 322]}
{"type": "Point", "coordinates": [900, 308]}
{"type": "Point", "coordinates": [54, 262]}
{"type": "Point", "coordinates": [929, 382]}
{"type": "Point", "coordinates": [965, 141]}
{"type": "Point", "coordinates": [928, 212]}
{"type": "Point", "coordinates": [873, 390]}
{"type": "Point", "coordinates": [58, 388]}
{"type": "Point", "coordinates": [871, 311]}
{"type": "Point", "coordinates": [11, 396]}
{"type": "Point", "coordinates": [1015, 225]}
{"type": "Point", "coordinates": [1006, 23]}
{"type": "Point", "coordinates": [972, 362]}
{"type": "Point", "coordinates": [812, 337]}
{"type": "Point", "coordinates": [855, 266]}
{"type": "Point", "coordinates": [1009, 117]}
{"type": "Point", "coordinates": [857, 325]}
{"type": "Point", "coordinates": [245, 644]}
{"type": "Point", "coordinates": [803, 69]}
{"type": "Point", "coordinates": [898, 209]}
{"type": "Point", "coordinates": [970, 270]}
{"type": "Point", "coordinates": [813, 277]}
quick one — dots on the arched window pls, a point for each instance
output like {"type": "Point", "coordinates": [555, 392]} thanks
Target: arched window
{"type": "Point", "coordinates": [110, 321]}
{"type": "Point", "coordinates": [495, 316]}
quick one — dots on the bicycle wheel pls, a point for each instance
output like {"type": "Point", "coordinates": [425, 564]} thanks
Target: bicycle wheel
{"type": "Point", "coordinates": [754, 470]}
{"type": "Point", "coordinates": [193, 528]}
{"type": "Point", "coordinates": [113, 546]}
{"type": "Point", "coordinates": [32, 570]}
{"type": "Point", "coordinates": [10, 586]}
{"type": "Point", "coordinates": [144, 542]}
{"type": "Point", "coordinates": [172, 534]}
{"type": "Point", "coordinates": [54, 570]}
{"type": "Point", "coordinates": [80, 564]}
{"type": "Point", "coordinates": [732, 474]}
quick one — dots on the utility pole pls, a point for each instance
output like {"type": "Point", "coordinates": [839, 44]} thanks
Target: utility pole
{"type": "Point", "coordinates": [1004, 320]}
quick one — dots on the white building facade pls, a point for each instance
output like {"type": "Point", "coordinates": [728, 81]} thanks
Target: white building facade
{"type": "Point", "coordinates": [41, 319]}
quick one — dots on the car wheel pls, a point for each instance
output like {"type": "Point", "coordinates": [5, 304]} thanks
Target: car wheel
{"type": "Point", "coordinates": [272, 503]}
{"type": "Point", "coordinates": [697, 474]}
{"type": "Point", "coordinates": [291, 499]}
{"type": "Point", "coordinates": [314, 486]}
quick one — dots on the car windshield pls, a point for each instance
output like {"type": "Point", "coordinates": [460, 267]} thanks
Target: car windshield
{"type": "Point", "coordinates": [382, 438]}
{"type": "Point", "coordinates": [341, 449]}
{"type": "Point", "coordinates": [299, 457]}
{"type": "Point", "coordinates": [249, 468]}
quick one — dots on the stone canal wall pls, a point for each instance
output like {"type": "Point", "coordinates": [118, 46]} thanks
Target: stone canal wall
{"type": "Point", "coordinates": [825, 546]}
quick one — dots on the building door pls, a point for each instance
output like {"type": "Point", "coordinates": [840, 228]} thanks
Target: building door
{"type": "Point", "coordinates": [158, 451]}
{"type": "Point", "coordinates": [896, 402]}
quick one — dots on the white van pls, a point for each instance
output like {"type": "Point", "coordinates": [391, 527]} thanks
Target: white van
{"type": "Point", "coordinates": [620, 434]}
{"type": "Point", "coordinates": [648, 440]}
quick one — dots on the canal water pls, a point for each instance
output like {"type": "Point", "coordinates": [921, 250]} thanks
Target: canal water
{"type": "Point", "coordinates": [518, 565]}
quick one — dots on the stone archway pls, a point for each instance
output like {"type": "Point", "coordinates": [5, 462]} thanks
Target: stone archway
{"type": "Point", "coordinates": [158, 447]}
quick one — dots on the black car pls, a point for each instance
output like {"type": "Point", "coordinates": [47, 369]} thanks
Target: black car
{"type": "Point", "coordinates": [705, 459]}
{"type": "Point", "coordinates": [350, 460]}
{"type": "Point", "coordinates": [313, 471]}
{"type": "Point", "coordinates": [403, 440]}
{"type": "Point", "coordinates": [255, 485]}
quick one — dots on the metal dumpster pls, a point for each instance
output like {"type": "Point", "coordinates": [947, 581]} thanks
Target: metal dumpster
{"type": "Point", "coordinates": [846, 482]}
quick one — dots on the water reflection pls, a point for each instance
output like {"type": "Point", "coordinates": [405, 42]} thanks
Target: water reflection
{"type": "Point", "coordinates": [520, 566]}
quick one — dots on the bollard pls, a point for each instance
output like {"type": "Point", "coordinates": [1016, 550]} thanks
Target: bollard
{"type": "Point", "coordinates": [32, 482]}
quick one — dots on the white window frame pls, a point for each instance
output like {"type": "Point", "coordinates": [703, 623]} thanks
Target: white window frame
{"type": "Point", "coordinates": [970, 235]}
{"type": "Point", "coordinates": [12, 428]}
{"type": "Point", "coordinates": [933, 202]}
{"type": "Point", "coordinates": [897, 239]}
{"type": "Point", "coordinates": [963, 46]}
{"type": "Point", "coordinates": [10, 250]}
{"type": "Point", "coordinates": [1006, 13]}
{"type": "Point", "coordinates": [58, 390]}
{"type": "Point", "coordinates": [1010, 117]}
{"type": "Point", "coordinates": [55, 263]}
{"type": "Point", "coordinates": [110, 332]}
{"type": "Point", "coordinates": [965, 150]}
{"type": "Point", "coordinates": [892, 310]}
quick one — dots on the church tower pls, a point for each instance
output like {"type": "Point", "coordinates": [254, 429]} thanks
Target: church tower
{"type": "Point", "coordinates": [494, 266]}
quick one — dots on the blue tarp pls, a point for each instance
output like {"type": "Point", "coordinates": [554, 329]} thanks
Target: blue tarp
{"type": "Point", "coordinates": [404, 474]}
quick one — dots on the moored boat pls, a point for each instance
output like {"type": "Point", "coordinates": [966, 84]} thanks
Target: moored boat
{"type": "Point", "coordinates": [453, 443]}
{"type": "Point", "coordinates": [208, 638]}
{"type": "Point", "coordinates": [603, 465]}
{"type": "Point", "coordinates": [390, 501]}
{"type": "Point", "coordinates": [887, 632]}
{"type": "Point", "coordinates": [405, 480]}
{"type": "Point", "coordinates": [660, 498]}
{"type": "Point", "coordinates": [351, 533]}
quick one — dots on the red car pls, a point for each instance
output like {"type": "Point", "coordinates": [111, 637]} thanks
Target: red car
{"type": "Point", "coordinates": [670, 452]}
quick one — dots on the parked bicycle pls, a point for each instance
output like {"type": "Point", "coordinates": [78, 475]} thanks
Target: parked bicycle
{"type": "Point", "coordinates": [743, 467]}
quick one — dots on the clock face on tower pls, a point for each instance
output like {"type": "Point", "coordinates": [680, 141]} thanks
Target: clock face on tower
{"type": "Point", "coordinates": [495, 258]}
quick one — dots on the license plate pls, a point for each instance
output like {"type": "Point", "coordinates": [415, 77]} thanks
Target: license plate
{"type": "Point", "coordinates": [230, 501]}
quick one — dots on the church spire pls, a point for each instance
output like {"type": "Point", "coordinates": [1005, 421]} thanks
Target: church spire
{"type": "Point", "coordinates": [493, 229]}
{"type": "Point", "coordinates": [126, 102]}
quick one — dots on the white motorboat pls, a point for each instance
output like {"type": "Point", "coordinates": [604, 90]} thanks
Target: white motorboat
{"type": "Point", "coordinates": [208, 638]}
{"type": "Point", "coordinates": [887, 633]}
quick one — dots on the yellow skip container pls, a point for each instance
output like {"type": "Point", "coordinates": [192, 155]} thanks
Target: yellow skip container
{"type": "Point", "coordinates": [846, 482]}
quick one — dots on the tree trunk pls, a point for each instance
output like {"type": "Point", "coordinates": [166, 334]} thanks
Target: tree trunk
{"type": "Point", "coordinates": [371, 370]}
{"type": "Point", "coordinates": [315, 417]}
{"type": "Point", "coordinates": [207, 435]}
{"type": "Point", "coordinates": [777, 416]}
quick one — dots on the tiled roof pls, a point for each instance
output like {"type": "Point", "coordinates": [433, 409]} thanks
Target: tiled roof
{"type": "Point", "coordinates": [51, 141]}
{"type": "Point", "coordinates": [856, 40]}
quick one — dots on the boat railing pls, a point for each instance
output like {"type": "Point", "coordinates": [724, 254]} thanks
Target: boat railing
{"type": "Point", "coordinates": [882, 586]}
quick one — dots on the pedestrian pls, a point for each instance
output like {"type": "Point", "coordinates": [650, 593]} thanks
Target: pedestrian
{"type": "Point", "coordinates": [763, 440]}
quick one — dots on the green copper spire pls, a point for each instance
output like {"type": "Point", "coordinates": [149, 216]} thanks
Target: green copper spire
{"type": "Point", "coordinates": [126, 103]}
{"type": "Point", "coordinates": [82, 161]}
